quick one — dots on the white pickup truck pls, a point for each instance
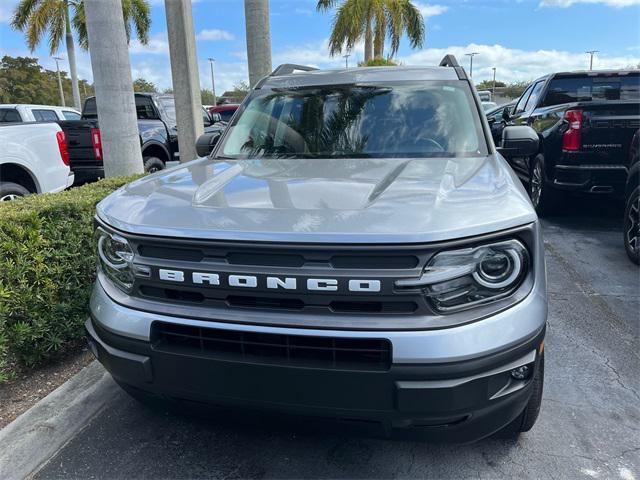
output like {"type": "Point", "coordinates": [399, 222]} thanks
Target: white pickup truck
{"type": "Point", "coordinates": [24, 112]}
{"type": "Point", "coordinates": [33, 159]}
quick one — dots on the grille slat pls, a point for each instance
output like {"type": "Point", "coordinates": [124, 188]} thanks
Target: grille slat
{"type": "Point", "coordinates": [290, 350]}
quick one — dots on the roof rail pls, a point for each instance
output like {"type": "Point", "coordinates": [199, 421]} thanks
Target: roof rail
{"type": "Point", "coordinates": [449, 60]}
{"type": "Point", "coordinates": [287, 68]}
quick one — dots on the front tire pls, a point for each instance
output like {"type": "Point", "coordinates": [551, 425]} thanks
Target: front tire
{"type": "Point", "coordinates": [153, 164]}
{"type": "Point", "coordinates": [631, 228]}
{"type": "Point", "coordinates": [527, 419]}
{"type": "Point", "coordinates": [11, 191]}
{"type": "Point", "coordinates": [544, 197]}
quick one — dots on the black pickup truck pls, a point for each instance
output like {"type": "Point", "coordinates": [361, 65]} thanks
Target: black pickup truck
{"type": "Point", "coordinates": [156, 128]}
{"type": "Point", "coordinates": [586, 122]}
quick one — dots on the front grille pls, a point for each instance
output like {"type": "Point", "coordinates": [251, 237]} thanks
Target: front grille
{"type": "Point", "coordinates": [383, 263]}
{"type": "Point", "coordinates": [274, 349]}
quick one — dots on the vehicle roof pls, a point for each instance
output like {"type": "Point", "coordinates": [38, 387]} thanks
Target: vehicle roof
{"type": "Point", "coordinates": [33, 105]}
{"type": "Point", "coordinates": [224, 107]}
{"type": "Point", "coordinates": [587, 73]}
{"type": "Point", "coordinates": [360, 75]}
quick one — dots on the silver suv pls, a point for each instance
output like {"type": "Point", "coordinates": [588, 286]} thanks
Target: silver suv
{"type": "Point", "coordinates": [355, 246]}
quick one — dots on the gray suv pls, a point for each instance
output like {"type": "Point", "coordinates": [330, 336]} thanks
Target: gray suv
{"type": "Point", "coordinates": [354, 247]}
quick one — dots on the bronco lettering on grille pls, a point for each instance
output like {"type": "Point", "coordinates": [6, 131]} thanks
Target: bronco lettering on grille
{"type": "Point", "coordinates": [270, 282]}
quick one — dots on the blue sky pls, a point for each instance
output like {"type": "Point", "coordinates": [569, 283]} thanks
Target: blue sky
{"type": "Point", "coordinates": [521, 38]}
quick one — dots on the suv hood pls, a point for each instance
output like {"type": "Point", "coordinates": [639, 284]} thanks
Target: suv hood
{"type": "Point", "coordinates": [318, 200]}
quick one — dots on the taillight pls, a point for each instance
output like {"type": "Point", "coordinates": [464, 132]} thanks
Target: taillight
{"type": "Point", "coordinates": [62, 146]}
{"type": "Point", "coordinates": [96, 141]}
{"type": "Point", "coordinates": [572, 137]}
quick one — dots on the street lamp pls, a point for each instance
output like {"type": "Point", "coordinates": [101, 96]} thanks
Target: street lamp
{"type": "Point", "coordinates": [493, 92]}
{"type": "Point", "coordinates": [591, 54]}
{"type": "Point", "coordinates": [471, 55]}
{"type": "Point", "coordinates": [346, 60]}
{"type": "Point", "coordinates": [60, 81]}
{"type": "Point", "coordinates": [213, 82]}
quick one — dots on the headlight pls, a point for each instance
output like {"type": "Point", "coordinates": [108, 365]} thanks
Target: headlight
{"type": "Point", "coordinates": [115, 257]}
{"type": "Point", "coordinates": [459, 279]}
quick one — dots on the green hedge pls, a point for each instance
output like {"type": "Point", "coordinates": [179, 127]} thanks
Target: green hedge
{"type": "Point", "coordinates": [47, 266]}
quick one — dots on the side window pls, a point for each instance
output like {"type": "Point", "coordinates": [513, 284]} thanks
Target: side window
{"type": "Point", "coordinates": [45, 115]}
{"type": "Point", "coordinates": [226, 115]}
{"type": "Point", "coordinates": [144, 108]}
{"type": "Point", "coordinates": [533, 98]}
{"type": "Point", "coordinates": [69, 115]}
{"type": "Point", "coordinates": [8, 115]}
{"type": "Point", "coordinates": [523, 100]}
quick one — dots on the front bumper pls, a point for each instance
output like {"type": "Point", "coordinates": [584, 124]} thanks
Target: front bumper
{"type": "Point", "coordinates": [458, 401]}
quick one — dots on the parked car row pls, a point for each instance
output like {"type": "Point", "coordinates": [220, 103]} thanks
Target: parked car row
{"type": "Point", "coordinates": [588, 126]}
{"type": "Point", "coordinates": [34, 159]}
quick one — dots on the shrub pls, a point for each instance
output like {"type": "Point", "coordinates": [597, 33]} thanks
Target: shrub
{"type": "Point", "coordinates": [379, 62]}
{"type": "Point", "coordinates": [47, 267]}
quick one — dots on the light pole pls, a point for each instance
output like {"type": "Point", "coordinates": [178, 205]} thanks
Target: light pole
{"type": "Point", "coordinates": [493, 90]}
{"type": "Point", "coordinates": [213, 82]}
{"type": "Point", "coordinates": [57, 59]}
{"type": "Point", "coordinates": [591, 54]}
{"type": "Point", "coordinates": [346, 60]}
{"type": "Point", "coordinates": [471, 55]}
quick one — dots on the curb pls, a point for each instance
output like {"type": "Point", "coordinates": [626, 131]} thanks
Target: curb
{"type": "Point", "coordinates": [36, 435]}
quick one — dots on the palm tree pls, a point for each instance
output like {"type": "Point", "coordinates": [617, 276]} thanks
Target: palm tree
{"type": "Point", "coordinates": [374, 20]}
{"type": "Point", "coordinates": [258, 32]}
{"type": "Point", "coordinates": [37, 17]}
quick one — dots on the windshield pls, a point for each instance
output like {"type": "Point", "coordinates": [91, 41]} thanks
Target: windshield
{"type": "Point", "coordinates": [168, 105]}
{"type": "Point", "coordinates": [430, 119]}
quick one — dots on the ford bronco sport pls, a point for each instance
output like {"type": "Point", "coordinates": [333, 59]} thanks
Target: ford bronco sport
{"type": "Point", "coordinates": [354, 247]}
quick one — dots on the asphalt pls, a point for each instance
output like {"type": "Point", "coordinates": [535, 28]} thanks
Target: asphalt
{"type": "Point", "coordinates": [589, 426]}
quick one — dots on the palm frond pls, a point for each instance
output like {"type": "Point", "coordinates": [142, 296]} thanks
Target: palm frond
{"type": "Point", "coordinates": [57, 25]}
{"type": "Point", "coordinates": [79, 22]}
{"type": "Point", "coordinates": [413, 23]}
{"type": "Point", "coordinates": [21, 14]}
{"type": "Point", "coordinates": [324, 5]}
{"type": "Point", "coordinates": [137, 12]}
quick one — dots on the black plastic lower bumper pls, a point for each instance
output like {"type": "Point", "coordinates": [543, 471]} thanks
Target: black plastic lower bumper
{"type": "Point", "coordinates": [587, 178]}
{"type": "Point", "coordinates": [83, 174]}
{"type": "Point", "coordinates": [402, 397]}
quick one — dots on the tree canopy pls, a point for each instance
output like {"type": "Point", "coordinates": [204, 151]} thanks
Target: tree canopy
{"type": "Point", "coordinates": [23, 80]}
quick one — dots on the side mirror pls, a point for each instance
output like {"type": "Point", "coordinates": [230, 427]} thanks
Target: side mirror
{"type": "Point", "coordinates": [506, 114]}
{"type": "Point", "coordinates": [206, 142]}
{"type": "Point", "coordinates": [520, 141]}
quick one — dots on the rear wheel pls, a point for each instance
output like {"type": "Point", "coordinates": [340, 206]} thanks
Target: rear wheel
{"type": "Point", "coordinates": [11, 191]}
{"type": "Point", "coordinates": [153, 164]}
{"type": "Point", "coordinates": [632, 226]}
{"type": "Point", "coordinates": [527, 419]}
{"type": "Point", "coordinates": [544, 197]}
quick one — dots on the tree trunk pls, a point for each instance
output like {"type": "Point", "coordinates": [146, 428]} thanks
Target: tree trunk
{"type": "Point", "coordinates": [113, 87]}
{"type": "Point", "coordinates": [368, 43]}
{"type": "Point", "coordinates": [186, 79]}
{"type": "Point", "coordinates": [71, 53]}
{"type": "Point", "coordinates": [378, 41]}
{"type": "Point", "coordinates": [256, 14]}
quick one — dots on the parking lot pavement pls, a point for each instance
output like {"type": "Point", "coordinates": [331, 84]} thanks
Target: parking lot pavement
{"type": "Point", "coordinates": [589, 426]}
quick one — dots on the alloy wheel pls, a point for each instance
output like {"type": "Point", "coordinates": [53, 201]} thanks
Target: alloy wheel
{"type": "Point", "coordinates": [633, 225]}
{"type": "Point", "coordinates": [536, 183]}
{"type": "Point", "coordinates": [8, 197]}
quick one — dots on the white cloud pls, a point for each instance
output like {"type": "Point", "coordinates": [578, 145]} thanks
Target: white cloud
{"type": "Point", "coordinates": [303, 11]}
{"type": "Point", "coordinates": [157, 45]}
{"type": "Point", "coordinates": [214, 34]}
{"type": "Point", "coordinates": [568, 3]}
{"type": "Point", "coordinates": [515, 64]}
{"type": "Point", "coordinates": [428, 10]}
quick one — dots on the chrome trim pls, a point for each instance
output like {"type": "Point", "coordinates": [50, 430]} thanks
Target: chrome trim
{"type": "Point", "coordinates": [592, 167]}
{"type": "Point", "coordinates": [501, 331]}
{"type": "Point", "coordinates": [454, 382]}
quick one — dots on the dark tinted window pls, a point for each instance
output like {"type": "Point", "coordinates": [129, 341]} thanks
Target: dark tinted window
{"type": "Point", "coordinates": [433, 118]}
{"type": "Point", "coordinates": [44, 115]}
{"type": "Point", "coordinates": [90, 110]}
{"type": "Point", "coordinates": [69, 115]}
{"type": "Point", "coordinates": [533, 98]}
{"type": "Point", "coordinates": [226, 115]}
{"type": "Point", "coordinates": [523, 100]}
{"type": "Point", "coordinates": [144, 108]}
{"type": "Point", "coordinates": [586, 89]}
{"type": "Point", "coordinates": [8, 115]}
